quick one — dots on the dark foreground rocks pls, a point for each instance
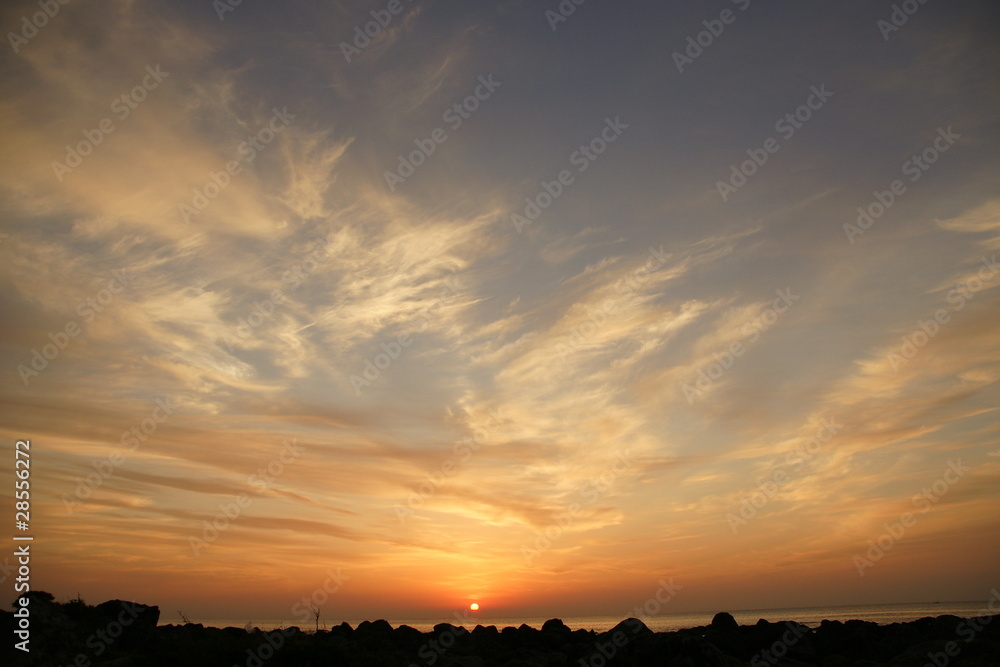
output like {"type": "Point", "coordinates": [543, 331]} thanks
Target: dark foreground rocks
{"type": "Point", "coordinates": [125, 634]}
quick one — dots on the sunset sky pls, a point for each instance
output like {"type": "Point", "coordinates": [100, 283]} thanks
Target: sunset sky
{"type": "Point", "coordinates": [497, 306]}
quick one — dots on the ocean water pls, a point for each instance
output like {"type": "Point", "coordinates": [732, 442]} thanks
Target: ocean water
{"type": "Point", "coordinates": [810, 616]}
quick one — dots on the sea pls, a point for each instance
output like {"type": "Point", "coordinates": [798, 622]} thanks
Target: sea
{"type": "Point", "coordinates": [809, 616]}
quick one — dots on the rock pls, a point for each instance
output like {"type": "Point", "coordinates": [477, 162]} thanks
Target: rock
{"type": "Point", "coordinates": [462, 661]}
{"type": "Point", "coordinates": [688, 649]}
{"type": "Point", "coordinates": [485, 631]}
{"type": "Point", "coordinates": [407, 634]}
{"type": "Point", "coordinates": [130, 614]}
{"type": "Point", "coordinates": [442, 628]}
{"type": "Point", "coordinates": [379, 627]}
{"type": "Point", "coordinates": [555, 625]}
{"type": "Point", "coordinates": [721, 644]}
{"type": "Point", "coordinates": [631, 626]}
{"type": "Point", "coordinates": [724, 622]}
{"type": "Point", "coordinates": [343, 630]}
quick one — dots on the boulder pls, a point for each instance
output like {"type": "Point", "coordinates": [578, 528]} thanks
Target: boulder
{"type": "Point", "coordinates": [724, 622]}
{"type": "Point", "coordinates": [555, 625]}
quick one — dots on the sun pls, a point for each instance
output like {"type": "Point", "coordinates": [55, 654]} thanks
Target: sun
{"type": "Point", "coordinates": [474, 606]}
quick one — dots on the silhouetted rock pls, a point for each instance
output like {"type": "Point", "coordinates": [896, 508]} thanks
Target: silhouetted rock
{"type": "Point", "coordinates": [369, 628]}
{"type": "Point", "coordinates": [724, 633]}
{"type": "Point", "coordinates": [405, 633]}
{"type": "Point", "coordinates": [135, 619]}
{"type": "Point", "coordinates": [343, 630]}
{"type": "Point", "coordinates": [484, 640]}
{"type": "Point", "coordinates": [631, 626]}
{"type": "Point", "coordinates": [442, 628]}
{"type": "Point", "coordinates": [725, 622]}
{"type": "Point", "coordinates": [555, 625]}
{"type": "Point", "coordinates": [688, 649]}
{"type": "Point", "coordinates": [463, 661]}
{"type": "Point", "coordinates": [486, 631]}
{"type": "Point", "coordinates": [126, 635]}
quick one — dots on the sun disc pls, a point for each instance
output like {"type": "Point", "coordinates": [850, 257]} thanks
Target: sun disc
{"type": "Point", "coordinates": [474, 606]}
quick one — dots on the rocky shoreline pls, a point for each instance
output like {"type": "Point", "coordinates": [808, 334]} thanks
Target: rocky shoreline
{"type": "Point", "coordinates": [124, 634]}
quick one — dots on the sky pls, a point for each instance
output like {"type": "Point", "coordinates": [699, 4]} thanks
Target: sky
{"type": "Point", "coordinates": [528, 304]}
